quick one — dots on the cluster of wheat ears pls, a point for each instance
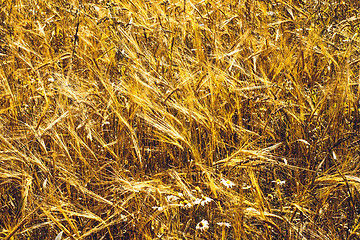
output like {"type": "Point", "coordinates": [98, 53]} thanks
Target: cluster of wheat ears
{"type": "Point", "coordinates": [179, 119]}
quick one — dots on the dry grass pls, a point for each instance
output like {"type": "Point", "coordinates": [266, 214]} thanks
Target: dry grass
{"type": "Point", "coordinates": [185, 119]}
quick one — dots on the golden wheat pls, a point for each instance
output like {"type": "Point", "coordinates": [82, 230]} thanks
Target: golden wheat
{"type": "Point", "coordinates": [151, 119]}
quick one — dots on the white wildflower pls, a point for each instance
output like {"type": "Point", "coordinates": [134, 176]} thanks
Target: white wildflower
{"type": "Point", "coordinates": [206, 200]}
{"type": "Point", "coordinates": [222, 224]}
{"type": "Point", "coordinates": [203, 225]}
{"type": "Point", "coordinates": [279, 182]}
{"type": "Point", "coordinates": [158, 208]}
{"type": "Point", "coordinates": [171, 198]}
{"type": "Point", "coordinates": [227, 183]}
{"type": "Point", "coordinates": [185, 204]}
{"type": "Point", "coordinates": [197, 201]}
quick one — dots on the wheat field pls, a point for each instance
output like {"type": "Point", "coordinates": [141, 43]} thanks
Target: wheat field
{"type": "Point", "coordinates": [179, 119]}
